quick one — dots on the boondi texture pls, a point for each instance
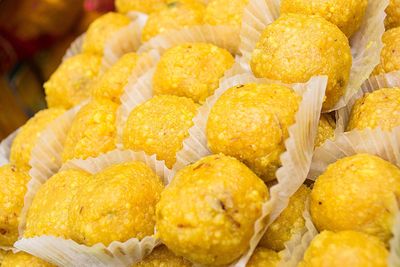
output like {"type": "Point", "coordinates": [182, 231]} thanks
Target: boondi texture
{"type": "Point", "coordinates": [225, 12]}
{"type": "Point", "coordinates": [22, 259]}
{"type": "Point", "coordinates": [163, 257]}
{"type": "Point", "coordinates": [263, 257]}
{"type": "Point", "coordinates": [296, 47]}
{"type": "Point", "coordinates": [390, 54]}
{"type": "Point", "coordinates": [326, 129]}
{"type": "Point", "coordinates": [148, 6]}
{"type": "Point", "coordinates": [392, 15]}
{"type": "Point", "coordinates": [208, 211]}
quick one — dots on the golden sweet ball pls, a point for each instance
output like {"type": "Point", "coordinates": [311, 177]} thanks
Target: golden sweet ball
{"type": "Point", "coordinates": [192, 70]}
{"type": "Point", "coordinates": [296, 47]}
{"type": "Point", "coordinates": [346, 249]}
{"type": "Point", "coordinates": [93, 130]}
{"type": "Point", "coordinates": [148, 6]}
{"type": "Point", "coordinates": [264, 257]}
{"type": "Point", "coordinates": [380, 108]}
{"type": "Point", "coordinates": [111, 84]}
{"type": "Point", "coordinates": [357, 193]}
{"type": "Point", "coordinates": [12, 192]}
{"type": "Point", "coordinates": [250, 122]}
{"type": "Point", "coordinates": [225, 12]}
{"type": "Point", "coordinates": [326, 129]}
{"type": "Point", "coordinates": [117, 204]}
{"type": "Point", "coordinates": [392, 15]}
{"type": "Point", "coordinates": [289, 222]}
{"type": "Point", "coordinates": [70, 84]}
{"type": "Point", "coordinates": [159, 126]}
{"type": "Point", "coordinates": [177, 15]}
{"type": "Point", "coordinates": [208, 211]}
{"type": "Point", "coordinates": [3, 253]}
{"type": "Point", "coordinates": [347, 15]}
{"type": "Point", "coordinates": [28, 135]}
{"type": "Point", "coordinates": [22, 259]}
{"type": "Point", "coordinates": [101, 30]}
{"type": "Point", "coordinates": [390, 54]}
{"type": "Point", "coordinates": [48, 214]}
{"type": "Point", "coordinates": [163, 257]}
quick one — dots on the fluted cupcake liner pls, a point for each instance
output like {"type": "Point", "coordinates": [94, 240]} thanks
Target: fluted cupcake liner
{"type": "Point", "coordinates": [5, 147]}
{"type": "Point", "coordinates": [75, 47]}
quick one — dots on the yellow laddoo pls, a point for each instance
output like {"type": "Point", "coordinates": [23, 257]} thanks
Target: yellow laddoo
{"type": "Point", "coordinates": [225, 12]}
{"type": "Point", "coordinates": [347, 15]}
{"type": "Point", "coordinates": [159, 126]}
{"type": "Point", "coordinates": [392, 14]}
{"type": "Point", "coordinates": [192, 70]}
{"type": "Point", "coordinates": [163, 257]}
{"type": "Point", "coordinates": [93, 131]}
{"type": "Point", "coordinates": [117, 204]}
{"type": "Point", "coordinates": [148, 6]}
{"type": "Point", "coordinates": [22, 259]}
{"type": "Point", "coordinates": [28, 135]}
{"type": "Point", "coordinates": [48, 214]}
{"type": "Point", "coordinates": [111, 84]}
{"type": "Point", "coordinates": [263, 257]}
{"type": "Point", "coordinates": [208, 211]}
{"type": "Point", "coordinates": [70, 84]}
{"type": "Point", "coordinates": [177, 15]}
{"type": "Point", "coordinates": [380, 108]}
{"type": "Point", "coordinates": [250, 122]}
{"type": "Point", "coordinates": [296, 47]}
{"type": "Point", "coordinates": [357, 193]}
{"type": "Point", "coordinates": [12, 191]}
{"type": "Point", "coordinates": [346, 249]}
{"type": "Point", "coordinates": [390, 54]}
{"type": "Point", "coordinates": [326, 129]}
{"type": "Point", "coordinates": [101, 30]}
{"type": "Point", "coordinates": [289, 222]}
{"type": "Point", "coordinates": [3, 253]}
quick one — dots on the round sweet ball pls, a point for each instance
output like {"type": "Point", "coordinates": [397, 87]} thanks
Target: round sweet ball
{"type": "Point", "coordinates": [48, 214]}
{"type": "Point", "coordinates": [22, 259]}
{"type": "Point", "coordinates": [192, 70]}
{"type": "Point", "coordinates": [296, 47]}
{"type": "Point", "coordinates": [207, 213]}
{"type": "Point", "coordinates": [289, 222]}
{"type": "Point", "coordinates": [250, 122]}
{"type": "Point", "coordinates": [28, 135]}
{"type": "Point", "coordinates": [101, 30]}
{"type": "Point", "coordinates": [70, 84]}
{"type": "Point", "coordinates": [357, 193]}
{"type": "Point", "coordinates": [177, 15]}
{"type": "Point", "coordinates": [347, 249]}
{"type": "Point", "coordinates": [12, 193]}
{"type": "Point", "coordinates": [163, 257]}
{"type": "Point", "coordinates": [93, 130]}
{"type": "Point", "coordinates": [148, 6]}
{"type": "Point", "coordinates": [111, 84]}
{"type": "Point", "coordinates": [390, 54]}
{"type": "Point", "coordinates": [264, 257]}
{"type": "Point", "coordinates": [159, 126]}
{"type": "Point", "coordinates": [117, 204]}
{"type": "Point", "coordinates": [326, 129]}
{"type": "Point", "coordinates": [347, 15]}
{"type": "Point", "coordinates": [380, 108]}
{"type": "Point", "coordinates": [225, 12]}
{"type": "Point", "coordinates": [392, 15]}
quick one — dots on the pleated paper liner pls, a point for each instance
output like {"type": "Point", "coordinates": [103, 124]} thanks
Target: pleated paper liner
{"type": "Point", "coordinates": [374, 83]}
{"type": "Point", "coordinates": [75, 48]}
{"type": "Point", "coordinates": [69, 253]}
{"type": "Point", "coordinates": [366, 43]}
{"type": "Point", "coordinates": [5, 147]}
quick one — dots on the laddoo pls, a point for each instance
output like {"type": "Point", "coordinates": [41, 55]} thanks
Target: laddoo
{"type": "Point", "coordinates": [264, 257]}
{"type": "Point", "coordinates": [296, 47]}
{"type": "Point", "coordinates": [48, 214]}
{"type": "Point", "coordinates": [101, 30]}
{"type": "Point", "coordinates": [326, 129]}
{"type": "Point", "coordinates": [111, 84]}
{"type": "Point", "coordinates": [93, 131]}
{"type": "Point", "coordinates": [289, 222]}
{"type": "Point", "coordinates": [163, 257]}
{"type": "Point", "coordinates": [357, 193]}
{"type": "Point", "coordinates": [12, 192]}
{"type": "Point", "coordinates": [28, 135]}
{"type": "Point", "coordinates": [392, 15]}
{"type": "Point", "coordinates": [346, 249]}
{"type": "Point", "coordinates": [207, 213]}
{"type": "Point", "coordinates": [177, 15]}
{"type": "Point", "coordinates": [380, 108]}
{"type": "Point", "coordinates": [22, 259]}
{"type": "Point", "coordinates": [70, 84]}
{"type": "Point", "coordinates": [347, 15]}
{"type": "Point", "coordinates": [159, 126]}
{"type": "Point", "coordinates": [250, 122]}
{"type": "Point", "coordinates": [225, 12]}
{"type": "Point", "coordinates": [192, 70]}
{"type": "Point", "coordinates": [117, 204]}
{"type": "Point", "coordinates": [390, 54]}
{"type": "Point", "coordinates": [148, 6]}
